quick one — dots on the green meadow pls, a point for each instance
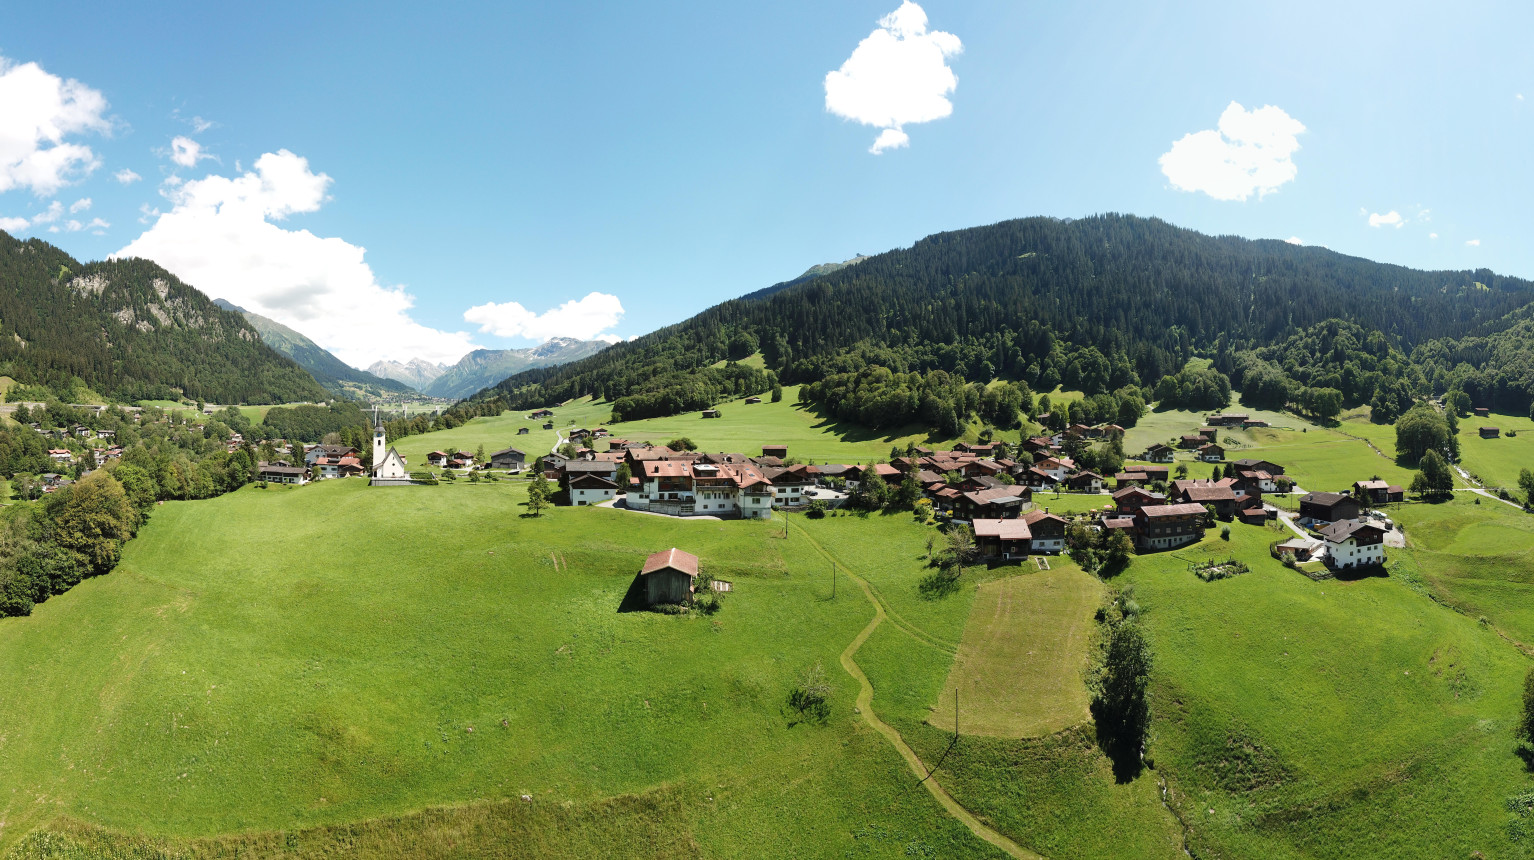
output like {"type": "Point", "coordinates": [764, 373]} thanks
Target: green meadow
{"type": "Point", "coordinates": [1497, 462]}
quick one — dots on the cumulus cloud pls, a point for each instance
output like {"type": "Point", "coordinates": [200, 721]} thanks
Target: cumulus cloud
{"type": "Point", "coordinates": [80, 205]}
{"type": "Point", "coordinates": [586, 318]}
{"type": "Point", "coordinates": [222, 236]}
{"type": "Point", "coordinates": [186, 152]}
{"type": "Point", "coordinates": [896, 76]}
{"type": "Point", "coordinates": [126, 176]}
{"type": "Point", "coordinates": [1432, 235]}
{"type": "Point", "coordinates": [1250, 152]}
{"type": "Point", "coordinates": [1474, 243]}
{"type": "Point", "coordinates": [1295, 240]}
{"type": "Point", "coordinates": [37, 112]}
{"type": "Point", "coordinates": [1389, 219]}
{"type": "Point", "coordinates": [54, 212]}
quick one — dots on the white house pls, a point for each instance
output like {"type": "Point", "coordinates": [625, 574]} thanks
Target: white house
{"type": "Point", "coordinates": [591, 490]}
{"type": "Point", "coordinates": [1354, 543]}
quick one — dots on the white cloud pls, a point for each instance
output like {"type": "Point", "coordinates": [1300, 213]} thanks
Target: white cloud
{"type": "Point", "coordinates": [1474, 243]}
{"type": "Point", "coordinates": [1518, 96]}
{"type": "Point", "coordinates": [220, 237]}
{"type": "Point", "coordinates": [14, 225]}
{"type": "Point", "coordinates": [1295, 240]}
{"type": "Point", "coordinates": [1251, 152]}
{"type": "Point", "coordinates": [1432, 235]}
{"type": "Point", "coordinates": [1389, 219]}
{"type": "Point", "coordinates": [54, 212]}
{"type": "Point", "coordinates": [126, 176]}
{"type": "Point", "coordinates": [80, 205]}
{"type": "Point", "coordinates": [186, 152]}
{"type": "Point", "coordinates": [37, 112]}
{"type": "Point", "coordinates": [586, 318]}
{"type": "Point", "coordinates": [898, 75]}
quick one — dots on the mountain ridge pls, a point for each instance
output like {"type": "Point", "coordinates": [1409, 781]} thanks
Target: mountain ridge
{"type": "Point", "coordinates": [335, 375]}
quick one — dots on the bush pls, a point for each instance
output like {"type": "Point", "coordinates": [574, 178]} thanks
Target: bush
{"type": "Point", "coordinates": [811, 697]}
{"type": "Point", "coordinates": [1225, 533]}
{"type": "Point", "coordinates": [938, 584]}
{"type": "Point", "coordinates": [817, 510]}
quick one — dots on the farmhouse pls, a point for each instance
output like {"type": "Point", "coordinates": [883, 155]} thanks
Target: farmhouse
{"type": "Point", "coordinates": [998, 503]}
{"type": "Point", "coordinates": [779, 451]}
{"type": "Point", "coordinates": [1258, 466]}
{"type": "Point", "coordinates": [1211, 453]}
{"type": "Point", "coordinates": [1191, 441]}
{"type": "Point", "coordinates": [1327, 508]}
{"type": "Point", "coordinates": [1131, 479]}
{"type": "Point", "coordinates": [1003, 539]}
{"type": "Point", "coordinates": [508, 458]}
{"type": "Point", "coordinates": [590, 489]}
{"type": "Point", "coordinates": [541, 413]}
{"type": "Point", "coordinates": [668, 576]}
{"type": "Point", "coordinates": [1159, 453]}
{"type": "Point", "coordinates": [1169, 526]}
{"type": "Point", "coordinates": [1378, 492]}
{"type": "Point", "coordinates": [1131, 499]}
{"type": "Point", "coordinates": [437, 458]}
{"type": "Point", "coordinates": [682, 488]}
{"type": "Point", "coordinates": [280, 472]}
{"type": "Point", "coordinates": [1048, 531]}
{"type": "Point", "coordinates": [1085, 482]}
{"type": "Point", "coordinates": [1226, 420]}
{"type": "Point", "coordinates": [1220, 496]}
{"type": "Point", "coordinates": [61, 455]}
{"type": "Point", "coordinates": [1352, 544]}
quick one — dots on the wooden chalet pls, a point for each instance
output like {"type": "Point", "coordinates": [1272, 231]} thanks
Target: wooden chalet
{"type": "Point", "coordinates": [1490, 432]}
{"type": "Point", "coordinates": [1047, 529]}
{"type": "Point", "coordinates": [1004, 539]}
{"type": "Point", "coordinates": [1131, 499]}
{"type": "Point", "coordinates": [711, 413]}
{"type": "Point", "coordinates": [1220, 496]}
{"type": "Point", "coordinates": [510, 459]}
{"type": "Point", "coordinates": [1327, 508]}
{"type": "Point", "coordinates": [1211, 453]}
{"type": "Point", "coordinates": [1169, 526]}
{"type": "Point", "coordinates": [1379, 492]}
{"type": "Point", "coordinates": [1159, 453]}
{"type": "Point", "coordinates": [1353, 544]}
{"type": "Point", "coordinates": [779, 451]}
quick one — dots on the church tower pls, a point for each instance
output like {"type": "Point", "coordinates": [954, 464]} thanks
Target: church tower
{"type": "Point", "coordinates": [379, 449]}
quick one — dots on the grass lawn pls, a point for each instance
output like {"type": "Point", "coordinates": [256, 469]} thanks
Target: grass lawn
{"type": "Point", "coordinates": [1497, 461]}
{"type": "Point", "coordinates": [303, 659]}
{"type": "Point", "coordinates": [1326, 719]}
{"type": "Point", "coordinates": [1019, 667]}
{"type": "Point", "coordinates": [1474, 557]}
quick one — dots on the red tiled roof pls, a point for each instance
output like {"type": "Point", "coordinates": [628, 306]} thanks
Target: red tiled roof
{"type": "Point", "coordinates": [671, 559]}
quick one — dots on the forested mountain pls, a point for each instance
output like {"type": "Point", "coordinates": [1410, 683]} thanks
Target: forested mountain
{"type": "Point", "coordinates": [416, 373]}
{"type": "Point", "coordinates": [336, 375]}
{"type": "Point", "coordinates": [485, 367]}
{"type": "Point", "coordinates": [130, 330]}
{"type": "Point", "coordinates": [1095, 304]}
{"type": "Point", "coordinates": [810, 274]}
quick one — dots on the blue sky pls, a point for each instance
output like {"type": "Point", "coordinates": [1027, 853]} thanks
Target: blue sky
{"type": "Point", "coordinates": [662, 158]}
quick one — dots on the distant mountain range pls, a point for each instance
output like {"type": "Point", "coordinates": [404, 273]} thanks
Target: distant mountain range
{"type": "Point", "coordinates": [483, 368]}
{"type": "Point", "coordinates": [337, 376]}
{"type": "Point", "coordinates": [130, 330]}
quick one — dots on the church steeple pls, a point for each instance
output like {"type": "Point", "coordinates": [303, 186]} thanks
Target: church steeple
{"type": "Point", "coordinates": [380, 450]}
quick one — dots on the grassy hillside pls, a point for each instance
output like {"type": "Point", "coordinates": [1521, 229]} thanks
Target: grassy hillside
{"type": "Point", "coordinates": [220, 682]}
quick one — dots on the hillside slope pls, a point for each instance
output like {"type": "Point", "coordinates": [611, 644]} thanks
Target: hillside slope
{"type": "Point", "coordinates": [336, 375]}
{"type": "Point", "coordinates": [131, 330]}
{"type": "Point", "coordinates": [1095, 304]}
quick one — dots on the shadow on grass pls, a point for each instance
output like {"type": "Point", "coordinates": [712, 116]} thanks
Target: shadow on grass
{"type": "Point", "coordinates": [634, 599]}
{"type": "Point", "coordinates": [848, 431]}
{"type": "Point", "coordinates": [1526, 753]}
{"type": "Point", "coordinates": [1354, 574]}
{"type": "Point", "coordinates": [1123, 752]}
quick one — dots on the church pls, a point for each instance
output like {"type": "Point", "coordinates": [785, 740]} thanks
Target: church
{"type": "Point", "coordinates": [388, 465]}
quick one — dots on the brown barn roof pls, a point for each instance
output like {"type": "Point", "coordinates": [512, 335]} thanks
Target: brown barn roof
{"type": "Point", "coordinates": [672, 559]}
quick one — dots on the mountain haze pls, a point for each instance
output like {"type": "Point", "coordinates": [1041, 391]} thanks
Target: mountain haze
{"type": "Point", "coordinates": [131, 330]}
{"type": "Point", "coordinates": [483, 368]}
{"type": "Point", "coordinates": [336, 375]}
{"type": "Point", "coordinates": [416, 373]}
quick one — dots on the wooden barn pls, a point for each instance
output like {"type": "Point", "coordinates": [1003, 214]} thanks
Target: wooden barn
{"type": "Point", "coordinates": [668, 576]}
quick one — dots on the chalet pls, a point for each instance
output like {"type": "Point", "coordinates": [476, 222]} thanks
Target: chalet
{"type": "Point", "coordinates": [82, 432]}
{"type": "Point", "coordinates": [1378, 492]}
{"type": "Point", "coordinates": [1131, 479]}
{"type": "Point", "coordinates": [779, 451]}
{"type": "Point", "coordinates": [668, 576]}
{"type": "Point", "coordinates": [1482, 412]}
{"type": "Point", "coordinates": [1258, 466]}
{"type": "Point", "coordinates": [1226, 420]}
{"type": "Point", "coordinates": [1490, 432]}
{"type": "Point", "coordinates": [1131, 499]}
{"type": "Point", "coordinates": [1005, 539]}
{"type": "Point", "coordinates": [602, 469]}
{"type": "Point", "coordinates": [1169, 526]}
{"type": "Point", "coordinates": [1300, 548]}
{"type": "Point", "coordinates": [588, 489]}
{"type": "Point", "coordinates": [1038, 445]}
{"type": "Point", "coordinates": [541, 413]}
{"type": "Point", "coordinates": [1325, 508]}
{"type": "Point", "coordinates": [510, 459]}
{"type": "Point", "coordinates": [768, 462]}
{"type": "Point", "coordinates": [1255, 481]}
{"type": "Point", "coordinates": [1154, 473]}
{"type": "Point", "coordinates": [979, 450]}
{"type": "Point", "coordinates": [1048, 531]}
{"type": "Point", "coordinates": [889, 473]}
{"type": "Point", "coordinates": [1000, 503]}
{"type": "Point", "coordinates": [1114, 522]}
{"type": "Point", "coordinates": [1209, 433]}
{"type": "Point", "coordinates": [752, 401]}
{"type": "Point", "coordinates": [60, 455]}
{"type": "Point", "coordinates": [437, 458]}
{"type": "Point", "coordinates": [1253, 422]}
{"type": "Point", "coordinates": [1085, 482]}
{"type": "Point", "coordinates": [615, 444]}
{"type": "Point", "coordinates": [1191, 441]}
{"type": "Point", "coordinates": [1211, 453]}
{"type": "Point", "coordinates": [280, 472]}
{"type": "Point", "coordinates": [1056, 467]}
{"type": "Point", "coordinates": [789, 484]}
{"type": "Point", "coordinates": [850, 474]}
{"type": "Point", "coordinates": [1253, 515]}
{"type": "Point", "coordinates": [686, 488]}
{"type": "Point", "coordinates": [1159, 453]}
{"type": "Point", "coordinates": [548, 425]}
{"type": "Point", "coordinates": [711, 413]}
{"type": "Point", "coordinates": [968, 485]}
{"type": "Point", "coordinates": [332, 452]}
{"type": "Point", "coordinates": [1038, 479]}
{"type": "Point", "coordinates": [1353, 543]}
{"type": "Point", "coordinates": [521, 431]}
{"type": "Point", "coordinates": [1221, 497]}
